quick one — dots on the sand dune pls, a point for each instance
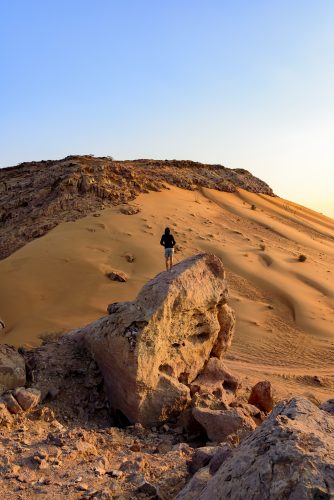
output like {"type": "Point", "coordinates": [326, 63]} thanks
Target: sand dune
{"type": "Point", "coordinates": [285, 308]}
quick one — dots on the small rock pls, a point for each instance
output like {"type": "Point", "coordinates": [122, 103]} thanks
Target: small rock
{"type": "Point", "coordinates": [129, 210]}
{"type": "Point", "coordinates": [147, 488]}
{"type": "Point", "coordinates": [45, 414]}
{"type": "Point", "coordinates": [27, 398]}
{"type": "Point", "coordinates": [11, 403]}
{"type": "Point", "coordinates": [57, 425]}
{"type": "Point", "coordinates": [117, 474]}
{"type": "Point", "coordinates": [56, 440]}
{"type": "Point", "coordinates": [261, 396]}
{"type": "Point", "coordinates": [135, 447]}
{"type": "Point", "coordinates": [129, 257]}
{"type": "Point", "coordinates": [117, 276]}
{"type": "Point", "coordinates": [201, 458]}
{"type": "Point", "coordinates": [219, 424]}
{"type": "Point", "coordinates": [82, 487]}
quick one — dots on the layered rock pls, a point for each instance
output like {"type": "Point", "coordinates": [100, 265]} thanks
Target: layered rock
{"type": "Point", "coordinates": [152, 349]}
{"type": "Point", "coordinates": [289, 456]}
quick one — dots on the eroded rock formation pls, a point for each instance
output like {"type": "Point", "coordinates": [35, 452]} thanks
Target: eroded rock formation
{"type": "Point", "coordinates": [289, 456]}
{"type": "Point", "coordinates": [152, 349]}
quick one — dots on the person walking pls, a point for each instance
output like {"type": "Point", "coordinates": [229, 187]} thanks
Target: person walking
{"type": "Point", "coordinates": [167, 241]}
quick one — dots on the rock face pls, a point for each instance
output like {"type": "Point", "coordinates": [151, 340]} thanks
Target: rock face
{"type": "Point", "coordinates": [289, 456]}
{"type": "Point", "coordinates": [152, 349]}
{"type": "Point", "coordinates": [12, 368]}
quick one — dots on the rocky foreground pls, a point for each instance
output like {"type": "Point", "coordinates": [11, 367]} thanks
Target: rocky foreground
{"type": "Point", "coordinates": [139, 404]}
{"type": "Point", "coordinates": [35, 197]}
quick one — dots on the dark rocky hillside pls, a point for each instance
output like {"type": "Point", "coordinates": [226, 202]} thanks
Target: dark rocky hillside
{"type": "Point", "coordinates": [36, 196]}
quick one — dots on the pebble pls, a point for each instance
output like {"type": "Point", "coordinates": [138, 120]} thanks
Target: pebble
{"type": "Point", "coordinates": [82, 487]}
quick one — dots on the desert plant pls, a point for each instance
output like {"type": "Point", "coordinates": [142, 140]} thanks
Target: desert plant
{"type": "Point", "coordinates": [262, 247]}
{"type": "Point", "coordinates": [253, 207]}
{"type": "Point", "coordinates": [46, 337]}
{"type": "Point", "coordinates": [302, 258]}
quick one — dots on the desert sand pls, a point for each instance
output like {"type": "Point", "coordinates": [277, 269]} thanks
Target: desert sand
{"type": "Point", "coordinates": [284, 308]}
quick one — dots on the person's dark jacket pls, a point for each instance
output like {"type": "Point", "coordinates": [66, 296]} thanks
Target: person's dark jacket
{"type": "Point", "coordinates": [167, 240]}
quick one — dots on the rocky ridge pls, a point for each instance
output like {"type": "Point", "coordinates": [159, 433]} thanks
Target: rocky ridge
{"type": "Point", "coordinates": [36, 196]}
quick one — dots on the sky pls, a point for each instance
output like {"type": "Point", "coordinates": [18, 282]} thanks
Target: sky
{"type": "Point", "coordinates": [247, 84]}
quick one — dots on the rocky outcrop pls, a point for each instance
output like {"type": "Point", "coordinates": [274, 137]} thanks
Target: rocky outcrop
{"type": "Point", "coordinates": [151, 350]}
{"type": "Point", "coordinates": [64, 371]}
{"type": "Point", "coordinates": [37, 196]}
{"type": "Point", "coordinates": [12, 368]}
{"type": "Point", "coordinates": [289, 456]}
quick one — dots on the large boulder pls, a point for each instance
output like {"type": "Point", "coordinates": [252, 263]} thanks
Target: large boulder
{"type": "Point", "coordinates": [12, 368]}
{"type": "Point", "coordinates": [151, 350]}
{"type": "Point", "coordinates": [289, 456]}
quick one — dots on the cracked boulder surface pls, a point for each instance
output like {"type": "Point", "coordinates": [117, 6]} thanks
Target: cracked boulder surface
{"type": "Point", "coordinates": [151, 350]}
{"type": "Point", "coordinates": [289, 456]}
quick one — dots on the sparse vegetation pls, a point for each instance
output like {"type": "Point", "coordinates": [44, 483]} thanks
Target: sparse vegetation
{"type": "Point", "coordinates": [50, 336]}
{"type": "Point", "coordinates": [253, 207]}
{"type": "Point", "coordinates": [262, 247]}
{"type": "Point", "coordinates": [302, 258]}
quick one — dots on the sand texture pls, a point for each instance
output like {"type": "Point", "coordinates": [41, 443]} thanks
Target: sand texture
{"type": "Point", "coordinates": [284, 308]}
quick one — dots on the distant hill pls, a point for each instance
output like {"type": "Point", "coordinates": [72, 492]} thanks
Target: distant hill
{"type": "Point", "coordinates": [37, 196]}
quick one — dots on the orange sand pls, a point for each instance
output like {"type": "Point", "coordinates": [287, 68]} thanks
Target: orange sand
{"type": "Point", "coordinates": [285, 308]}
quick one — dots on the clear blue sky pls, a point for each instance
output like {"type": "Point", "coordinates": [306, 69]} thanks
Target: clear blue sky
{"type": "Point", "coordinates": [243, 83]}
